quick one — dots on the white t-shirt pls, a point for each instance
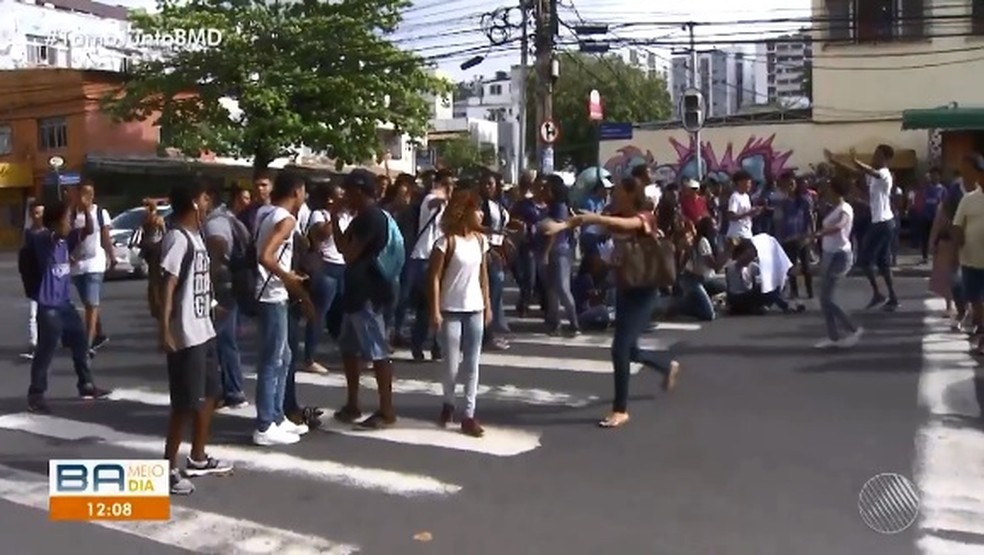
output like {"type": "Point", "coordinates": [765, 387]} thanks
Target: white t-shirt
{"type": "Point", "coordinates": [498, 216]}
{"type": "Point", "coordinates": [274, 291]}
{"type": "Point", "coordinates": [429, 234]}
{"type": "Point", "coordinates": [303, 217]}
{"type": "Point", "coordinates": [842, 216]}
{"type": "Point", "coordinates": [698, 264]}
{"type": "Point", "coordinates": [740, 203]}
{"type": "Point", "coordinates": [461, 285]}
{"type": "Point", "coordinates": [191, 315]}
{"type": "Point", "coordinates": [329, 251]}
{"type": "Point", "coordinates": [740, 280]}
{"type": "Point", "coordinates": [90, 257]}
{"type": "Point", "coordinates": [880, 196]}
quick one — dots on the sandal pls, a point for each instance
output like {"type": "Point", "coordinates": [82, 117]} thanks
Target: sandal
{"type": "Point", "coordinates": [614, 420]}
{"type": "Point", "coordinates": [377, 421]}
{"type": "Point", "coordinates": [348, 414]}
{"type": "Point", "coordinates": [670, 379]}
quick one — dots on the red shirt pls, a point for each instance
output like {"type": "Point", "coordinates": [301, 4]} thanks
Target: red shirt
{"type": "Point", "coordinates": [694, 208]}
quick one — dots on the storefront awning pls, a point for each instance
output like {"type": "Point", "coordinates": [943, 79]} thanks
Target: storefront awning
{"type": "Point", "coordinates": [946, 119]}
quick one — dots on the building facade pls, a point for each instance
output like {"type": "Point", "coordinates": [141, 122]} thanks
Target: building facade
{"type": "Point", "coordinates": [786, 60]}
{"type": "Point", "coordinates": [726, 78]}
{"type": "Point", "coordinates": [77, 34]}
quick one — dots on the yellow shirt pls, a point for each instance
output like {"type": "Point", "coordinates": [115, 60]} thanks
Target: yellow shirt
{"type": "Point", "coordinates": [970, 218]}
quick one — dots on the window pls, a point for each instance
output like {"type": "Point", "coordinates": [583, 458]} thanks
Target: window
{"type": "Point", "coordinates": [52, 134]}
{"type": "Point", "coordinates": [876, 20]}
{"type": "Point", "coordinates": [977, 17]}
{"type": "Point", "coordinates": [495, 90]}
{"type": "Point", "coordinates": [6, 144]}
{"type": "Point", "coordinates": [42, 52]}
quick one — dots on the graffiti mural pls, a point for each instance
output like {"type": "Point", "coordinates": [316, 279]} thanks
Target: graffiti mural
{"type": "Point", "coordinates": [759, 157]}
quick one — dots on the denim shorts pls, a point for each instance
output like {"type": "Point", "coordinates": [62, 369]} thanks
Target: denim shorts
{"type": "Point", "coordinates": [876, 246]}
{"type": "Point", "coordinates": [973, 284]}
{"type": "Point", "coordinates": [363, 335]}
{"type": "Point", "coordinates": [89, 287]}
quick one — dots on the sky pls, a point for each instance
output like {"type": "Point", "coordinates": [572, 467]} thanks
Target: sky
{"type": "Point", "coordinates": [448, 32]}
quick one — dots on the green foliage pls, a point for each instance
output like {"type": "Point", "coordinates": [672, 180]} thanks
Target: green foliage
{"type": "Point", "coordinates": [628, 94]}
{"type": "Point", "coordinates": [313, 73]}
{"type": "Point", "coordinates": [463, 154]}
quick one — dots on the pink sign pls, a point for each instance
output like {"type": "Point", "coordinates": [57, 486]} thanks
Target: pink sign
{"type": "Point", "coordinates": [595, 112]}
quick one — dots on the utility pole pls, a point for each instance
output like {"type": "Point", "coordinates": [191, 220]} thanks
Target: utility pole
{"type": "Point", "coordinates": [524, 63]}
{"type": "Point", "coordinates": [694, 85]}
{"type": "Point", "coordinates": [546, 28]}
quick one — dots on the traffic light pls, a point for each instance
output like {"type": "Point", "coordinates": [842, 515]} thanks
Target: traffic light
{"type": "Point", "coordinates": [692, 109]}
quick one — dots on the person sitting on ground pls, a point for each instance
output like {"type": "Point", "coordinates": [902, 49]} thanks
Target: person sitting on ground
{"type": "Point", "coordinates": [744, 292]}
{"type": "Point", "coordinates": [591, 286]}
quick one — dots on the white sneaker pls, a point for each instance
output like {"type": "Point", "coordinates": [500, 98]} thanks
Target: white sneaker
{"type": "Point", "coordinates": [274, 435]}
{"type": "Point", "coordinates": [291, 428]}
{"type": "Point", "coordinates": [825, 344]}
{"type": "Point", "coordinates": [852, 340]}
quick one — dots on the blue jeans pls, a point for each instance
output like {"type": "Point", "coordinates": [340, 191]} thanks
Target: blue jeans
{"type": "Point", "coordinates": [497, 285]}
{"type": "Point", "coordinates": [461, 337]}
{"type": "Point", "coordinates": [834, 266]}
{"type": "Point", "coordinates": [294, 331]}
{"type": "Point", "coordinates": [412, 295]}
{"type": "Point", "coordinates": [697, 296]}
{"type": "Point", "coordinates": [526, 263]}
{"type": "Point", "coordinates": [273, 364]}
{"type": "Point", "coordinates": [633, 313]}
{"type": "Point", "coordinates": [558, 274]}
{"type": "Point", "coordinates": [227, 352]}
{"type": "Point", "coordinates": [325, 286]}
{"type": "Point", "coordinates": [60, 324]}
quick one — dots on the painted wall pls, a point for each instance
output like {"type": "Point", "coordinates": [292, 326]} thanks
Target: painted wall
{"type": "Point", "coordinates": [762, 150]}
{"type": "Point", "coordinates": [853, 81]}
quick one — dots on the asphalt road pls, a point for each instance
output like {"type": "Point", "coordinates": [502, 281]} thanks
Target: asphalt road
{"type": "Point", "coordinates": [762, 450]}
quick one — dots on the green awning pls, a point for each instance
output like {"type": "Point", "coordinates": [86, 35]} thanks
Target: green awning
{"type": "Point", "coordinates": [947, 119]}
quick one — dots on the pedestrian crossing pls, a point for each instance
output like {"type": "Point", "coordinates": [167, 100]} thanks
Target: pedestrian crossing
{"type": "Point", "coordinates": [950, 445]}
{"type": "Point", "coordinates": [540, 374]}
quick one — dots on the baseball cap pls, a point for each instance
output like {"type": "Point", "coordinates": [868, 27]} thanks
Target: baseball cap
{"type": "Point", "coordinates": [360, 180]}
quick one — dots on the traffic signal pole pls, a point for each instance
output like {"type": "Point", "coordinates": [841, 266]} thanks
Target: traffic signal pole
{"type": "Point", "coordinates": [693, 84]}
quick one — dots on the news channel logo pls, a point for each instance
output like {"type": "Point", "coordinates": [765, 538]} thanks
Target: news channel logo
{"type": "Point", "coordinates": [108, 478]}
{"type": "Point", "coordinates": [889, 503]}
{"type": "Point", "coordinates": [161, 40]}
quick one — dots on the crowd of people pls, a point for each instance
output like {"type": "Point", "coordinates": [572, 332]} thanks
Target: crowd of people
{"type": "Point", "coordinates": [372, 265]}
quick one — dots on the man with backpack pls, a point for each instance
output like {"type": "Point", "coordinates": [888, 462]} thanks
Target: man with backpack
{"type": "Point", "coordinates": [374, 256]}
{"type": "Point", "coordinates": [412, 293]}
{"type": "Point", "coordinates": [45, 268]}
{"type": "Point", "coordinates": [187, 336]}
{"type": "Point", "coordinates": [227, 239]}
{"type": "Point", "coordinates": [90, 260]}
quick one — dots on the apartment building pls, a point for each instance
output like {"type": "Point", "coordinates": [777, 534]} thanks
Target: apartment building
{"type": "Point", "coordinates": [786, 62]}
{"type": "Point", "coordinates": [727, 79]}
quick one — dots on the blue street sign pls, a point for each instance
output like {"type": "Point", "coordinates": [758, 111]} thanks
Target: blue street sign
{"type": "Point", "coordinates": [62, 178]}
{"type": "Point", "coordinates": [614, 131]}
{"type": "Point", "coordinates": [547, 161]}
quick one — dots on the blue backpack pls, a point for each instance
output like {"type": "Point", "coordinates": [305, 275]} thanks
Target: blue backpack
{"type": "Point", "coordinates": [390, 260]}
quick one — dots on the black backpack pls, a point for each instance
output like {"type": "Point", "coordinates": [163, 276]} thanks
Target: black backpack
{"type": "Point", "coordinates": [29, 267]}
{"type": "Point", "coordinates": [244, 264]}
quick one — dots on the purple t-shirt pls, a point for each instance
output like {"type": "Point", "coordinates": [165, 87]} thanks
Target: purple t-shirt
{"type": "Point", "coordinates": [53, 260]}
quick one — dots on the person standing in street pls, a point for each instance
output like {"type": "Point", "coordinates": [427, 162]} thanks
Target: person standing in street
{"type": "Point", "coordinates": [47, 276]}
{"type": "Point", "coordinates": [90, 260]}
{"type": "Point", "coordinates": [259, 197]}
{"type": "Point", "coordinates": [151, 234]}
{"type": "Point", "coordinates": [740, 212]}
{"type": "Point", "coordinates": [225, 237]}
{"type": "Point", "coordinates": [460, 301]}
{"type": "Point", "coordinates": [187, 336]}
{"type": "Point", "coordinates": [835, 263]}
{"type": "Point", "coordinates": [876, 248]}
{"type": "Point", "coordinates": [634, 303]}
{"type": "Point", "coordinates": [968, 233]}
{"type": "Point", "coordinates": [34, 225]}
{"type": "Point", "coordinates": [275, 230]}
{"type": "Point", "coordinates": [362, 338]}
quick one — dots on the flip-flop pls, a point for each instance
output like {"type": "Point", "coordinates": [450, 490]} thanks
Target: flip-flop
{"type": "Point", "coordinates": [613, 422]}
{"type": "Point", "coordinates": [671, 377]}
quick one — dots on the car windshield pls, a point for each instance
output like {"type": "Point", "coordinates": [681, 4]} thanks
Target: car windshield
{"type": "Point", "coordinates": [132, 219]}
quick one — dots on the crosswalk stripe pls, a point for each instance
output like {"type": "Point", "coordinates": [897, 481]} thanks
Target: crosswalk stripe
{"type": "Point", "coordinates": [384, 481]}
{"type": "Point", "coordinates": [188, 529]}
{"type": "Point", "coordinates": [500, 442]}
{"type": "Point", "coordinates": [952, 491]}
{"type": "Point", "coordinates": [545, 364]}
{"type": "Point", "coordinates": [596, 341]}
{"type": "Point", "coordinates": [501, 393]}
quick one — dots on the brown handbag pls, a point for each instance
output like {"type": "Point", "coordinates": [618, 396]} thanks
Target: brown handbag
{"type": "Point", "coordinates": [644, 261]}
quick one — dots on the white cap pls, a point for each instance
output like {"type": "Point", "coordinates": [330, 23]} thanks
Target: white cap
{"type": "Point", "coordinates": [691, 184]}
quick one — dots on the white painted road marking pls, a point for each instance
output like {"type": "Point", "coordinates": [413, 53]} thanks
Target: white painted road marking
{"type": "Point", "coordinates": [500, 442]}
{"type": "Point", "coordinates": [596, 341]}
{"type": "Point", "coordinates": [951, 489]}
{"type": "Point", "coordinates": [502, 393]}
{"type": "Point", "coordinates": [189, 529]}
{"type": "Point", "coordinates": [384, 481]}
{"type": "Point", "coordinates": [545, 364]}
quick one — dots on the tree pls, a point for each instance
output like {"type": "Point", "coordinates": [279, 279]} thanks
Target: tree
{"type": "Point", "coordinates": [628, 94]}
{"type": "Point", "coordinates": [318, 74]}
{"type": "Point", "coordinates": [462, 153]}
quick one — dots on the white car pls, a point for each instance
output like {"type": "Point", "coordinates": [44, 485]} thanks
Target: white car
{"type": "Point", "coordinates": [125, 233]}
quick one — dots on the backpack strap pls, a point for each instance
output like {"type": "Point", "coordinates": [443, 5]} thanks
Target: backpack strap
{"type": "Point", "coordinates": [420, 232]}
{"type": "Point", "coordinates": [188, 259]}
{"type": "Point", "coordinates": [448, 254]}
{"type": "Point", "coordinates": [283, 251]}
